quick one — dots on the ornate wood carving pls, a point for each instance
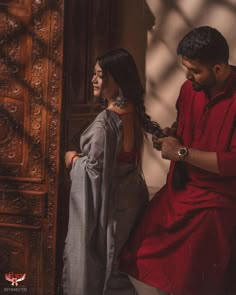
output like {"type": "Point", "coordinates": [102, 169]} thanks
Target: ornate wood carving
{"type": "Point", "coordinates": [31, 37]}
{"type": "Point", "coordinates": [15, 3]}
{"type": "Point", "coordinates": [23, 203]}
{"type": "Point", "coordinates": [19, 254]}
{"type": "Point", "coordinates": [54, 103]}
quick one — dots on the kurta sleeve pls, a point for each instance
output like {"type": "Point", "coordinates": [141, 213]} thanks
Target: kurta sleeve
{"type": "Point", "coordinates": [227, 160]}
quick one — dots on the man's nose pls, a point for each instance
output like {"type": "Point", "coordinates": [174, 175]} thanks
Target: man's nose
{"type": "Point", "coordinates": [189, 75]}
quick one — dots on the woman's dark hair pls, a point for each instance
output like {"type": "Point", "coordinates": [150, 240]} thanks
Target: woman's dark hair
{"type": "Point", "coordinates": [205, 44]}
{"type": "Point", "coordinates": [120, 64]}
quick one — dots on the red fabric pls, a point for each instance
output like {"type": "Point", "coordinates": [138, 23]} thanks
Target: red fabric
{"type": "Point", "coordinates": [128, 157]}
{"type": "Point", "coordinates": [185, 243]}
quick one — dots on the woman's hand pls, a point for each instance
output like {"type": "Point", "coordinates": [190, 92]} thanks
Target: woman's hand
{"type": "Point", "coordinates": [70, 156]}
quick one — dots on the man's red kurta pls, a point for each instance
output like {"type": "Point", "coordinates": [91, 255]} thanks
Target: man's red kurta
{"type": "Point", "coordinates": [185, 243]}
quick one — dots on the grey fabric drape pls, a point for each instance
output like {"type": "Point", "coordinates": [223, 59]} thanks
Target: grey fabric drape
{"type": "Point", "coordinates": [106, 199]}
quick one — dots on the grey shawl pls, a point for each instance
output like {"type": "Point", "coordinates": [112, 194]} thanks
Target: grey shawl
{"type": "Point", "coordinates": [106, 198]}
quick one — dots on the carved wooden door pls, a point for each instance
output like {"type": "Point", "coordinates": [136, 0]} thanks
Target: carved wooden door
{"type": "Point", "coordinates": [30, 106]}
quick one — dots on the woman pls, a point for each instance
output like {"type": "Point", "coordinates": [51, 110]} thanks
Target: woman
{"type": "Point", "coordinates": [108, 192]}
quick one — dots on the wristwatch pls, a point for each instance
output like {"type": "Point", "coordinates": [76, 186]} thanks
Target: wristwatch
{"type": "Point", "coordinates": [182, 152]}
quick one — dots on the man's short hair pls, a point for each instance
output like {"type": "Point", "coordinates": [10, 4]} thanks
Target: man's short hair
{"type": "Point", "coordinates": [205, 44]}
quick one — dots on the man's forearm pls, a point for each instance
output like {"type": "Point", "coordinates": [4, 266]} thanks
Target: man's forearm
{"type": "Point", "coordinates": [203, 160]}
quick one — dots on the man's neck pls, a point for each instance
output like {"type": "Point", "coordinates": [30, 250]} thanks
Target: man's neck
{"type": "Point", "coordinates": [220, 85]}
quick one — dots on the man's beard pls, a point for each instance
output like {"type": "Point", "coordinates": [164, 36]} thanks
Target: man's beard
{"type": "Point", "coordinates": [204, 87]}
{"type": "Point", "coordinates": [198, 87]}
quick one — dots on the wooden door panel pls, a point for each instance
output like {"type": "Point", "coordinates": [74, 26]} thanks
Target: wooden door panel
{"type": "Point", "coordinates": [31, 42]}
{"type": "Point", "coordinates": [75, 127]}
{"type": "Point", "coordinates": [23, 203]}
{"type": "Point", "coordinates": [21, 93]}
{"type": "Point", "coordinates": [87, 35]}
{"type": "Point", "coordinates": [19, 248]}
{"type": "Point", "coordinates": [11, 145]}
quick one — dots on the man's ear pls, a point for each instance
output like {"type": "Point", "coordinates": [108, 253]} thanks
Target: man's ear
{"type": "Point", "coordinates": [218, 68]}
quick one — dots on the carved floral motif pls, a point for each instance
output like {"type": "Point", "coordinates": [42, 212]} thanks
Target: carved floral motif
{"type": "Point", "coordinates": [30, 84]}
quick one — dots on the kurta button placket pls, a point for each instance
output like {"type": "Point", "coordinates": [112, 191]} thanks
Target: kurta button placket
{"type": "Point", "coordinates": [204, 118]}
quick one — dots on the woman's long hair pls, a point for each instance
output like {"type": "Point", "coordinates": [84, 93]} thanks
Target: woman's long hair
{"type": "Point", "coordinates": [120, 64]}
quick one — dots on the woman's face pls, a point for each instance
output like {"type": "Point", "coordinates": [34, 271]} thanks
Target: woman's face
{"type": "Point", "coordinates": [106, 88]}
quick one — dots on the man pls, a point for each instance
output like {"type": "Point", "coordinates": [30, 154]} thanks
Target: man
{"type": "Point", "coordinates": [186, 241]}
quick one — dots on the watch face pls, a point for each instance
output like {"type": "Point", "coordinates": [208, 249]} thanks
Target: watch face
{"type": "Point", "coordinates": [182, 152]}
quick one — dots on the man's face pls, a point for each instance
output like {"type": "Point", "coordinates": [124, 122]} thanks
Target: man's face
{"type": "Point", "coordinates": [201, 75]}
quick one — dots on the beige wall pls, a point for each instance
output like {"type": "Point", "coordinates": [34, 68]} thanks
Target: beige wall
{"type": "Point", "coordinates": [164, 75]}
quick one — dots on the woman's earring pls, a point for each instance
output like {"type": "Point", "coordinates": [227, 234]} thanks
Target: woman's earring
{"type": "Point", "coordinates": [120, 101]}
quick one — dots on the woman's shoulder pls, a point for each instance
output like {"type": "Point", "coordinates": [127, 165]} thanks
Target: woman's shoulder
{"type": "Point", "coordinates": [115, 116]}
{"type": "Point", "coordinates": [107, 117]}
{"type": "Point", "coordinates": [107, 114]}
{"type": "Point", "coordinates": [102, 116]}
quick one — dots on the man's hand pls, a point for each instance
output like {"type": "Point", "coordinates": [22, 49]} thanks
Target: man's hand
{"type": "Point", "coordinates": [167, 131]}
{"type": "Point", "coordinates": [156, 143]}
{"type": "Point", "coordinates": [169, 147]}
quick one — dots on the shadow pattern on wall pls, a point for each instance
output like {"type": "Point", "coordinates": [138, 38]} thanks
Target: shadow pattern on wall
{"type": "Point", "coordinates": [164, 73]}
